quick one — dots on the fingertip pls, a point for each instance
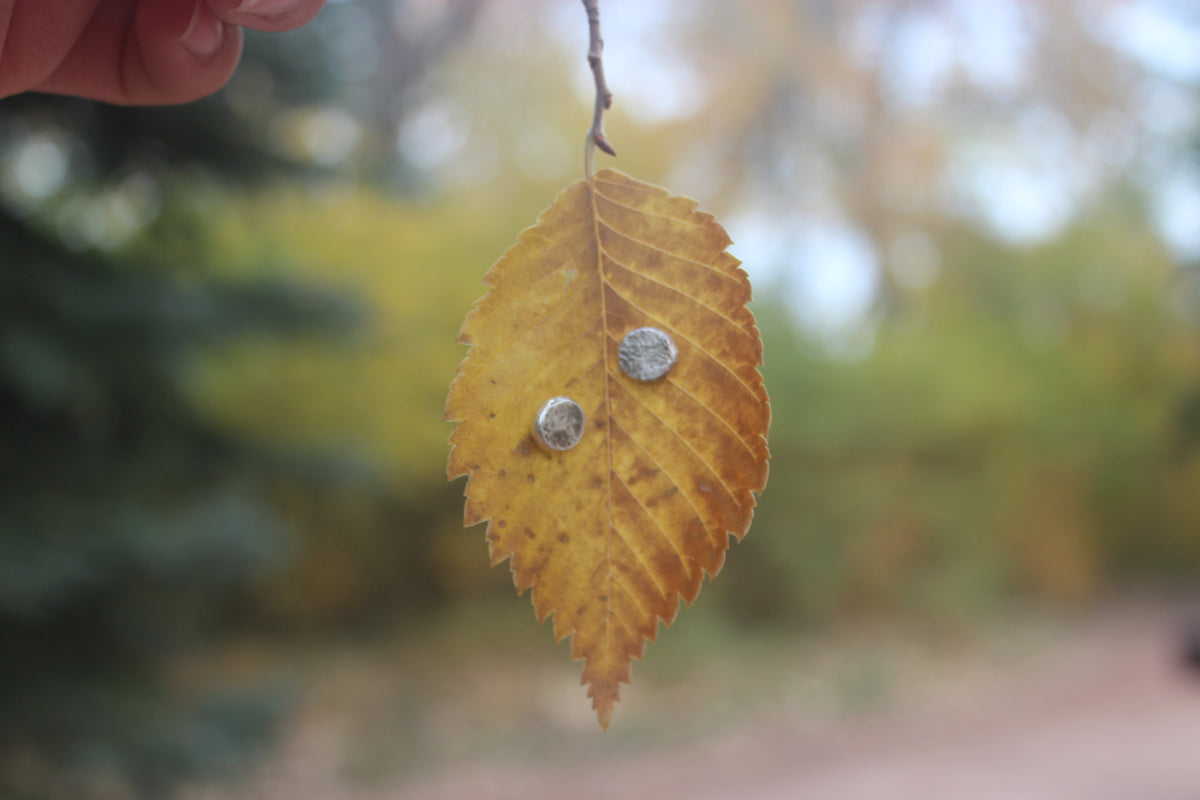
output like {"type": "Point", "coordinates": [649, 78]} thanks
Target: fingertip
{"type": "Point", "coordinates": [181, 51]}
{"type": "Point", "coordinates": [267, 15]}
{"type": "Point", "coordinates": [205, 33]}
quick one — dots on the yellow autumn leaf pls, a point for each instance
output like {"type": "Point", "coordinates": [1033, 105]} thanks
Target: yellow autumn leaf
{"type": "Point", "coordinates": [611, 532]}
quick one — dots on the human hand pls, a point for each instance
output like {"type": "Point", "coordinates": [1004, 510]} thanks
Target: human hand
{"type": "Point", "coordinates": [133, 52]}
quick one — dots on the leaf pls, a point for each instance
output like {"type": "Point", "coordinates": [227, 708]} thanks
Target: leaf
{"type": "Point", "coordinates": [611, 533]}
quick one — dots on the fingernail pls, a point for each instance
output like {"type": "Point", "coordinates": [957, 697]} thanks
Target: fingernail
{"type": "Point", "coordinates": [204, 33]}
{"type": "Point", "coordinates": [267, 8]}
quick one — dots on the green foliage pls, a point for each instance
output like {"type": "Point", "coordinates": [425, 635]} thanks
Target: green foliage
{"type": "Point", "coordinates": [1012, 433]}
{"type": "Point", "coordinates": [382, 393]}
{"type": "Point", "coordinates": [130, 522]}
{"type": "Point", "coordinates": [125, 517]}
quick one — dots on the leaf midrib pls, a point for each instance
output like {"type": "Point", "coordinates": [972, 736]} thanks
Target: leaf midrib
{"type": "Point", "coordinates": [608, 596]}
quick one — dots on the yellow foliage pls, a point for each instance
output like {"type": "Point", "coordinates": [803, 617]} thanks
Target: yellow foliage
{"type": "Point", "coordinates": [1055, 554]}
{"type": "Point", "coordinates": [612, 532]}
{"type": "Point", "coordinates": [382, 392]}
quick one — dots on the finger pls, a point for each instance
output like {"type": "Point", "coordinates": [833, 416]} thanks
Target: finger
{"type": "Point", "coordinates": [267, 15]}
{"type": "Point", "coordinates": [35, 38]}
{"type": "Point", "coordinates": [152, 52]}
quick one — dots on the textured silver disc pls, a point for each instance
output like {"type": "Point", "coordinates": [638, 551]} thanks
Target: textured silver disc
{"type": "Point", "coordinates": [559, 423]}
{"type": "Point", "coordinates": [647, 354]}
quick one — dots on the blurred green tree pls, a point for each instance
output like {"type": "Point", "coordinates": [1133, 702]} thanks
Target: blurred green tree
{"type": "Point", "coordinates": [131, 520]}
{"type": "Point", "coordinates": [125, 517]}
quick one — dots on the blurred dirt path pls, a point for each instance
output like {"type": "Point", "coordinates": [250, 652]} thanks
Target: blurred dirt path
{"type": "Point", "coordinates": [1111, 715]}
{"type": "Point", "coordinates": [1106, 713]}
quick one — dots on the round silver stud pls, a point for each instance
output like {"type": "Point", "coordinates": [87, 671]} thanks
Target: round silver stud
{"type": "Point", "coordinates": [559, 424]}
{"type": "Point", "coordinates": [647, 354]}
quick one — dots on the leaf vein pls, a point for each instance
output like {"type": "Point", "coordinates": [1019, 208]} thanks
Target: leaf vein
{"type": "Point", "coordinates": [610, 612]}
{"type": "Point", "coordinates": [512, 296]}
{"type": "Point", "coordinates": [715, 312]}
{"type": "Point", "coordinates": [650, 246]}
{"type": "Point", "coordinates": [751, 390]}
{"type": "Point", "coordinates": [686, 443]}
{"type": "Point", "coordinates": [632, 630]}
{"type": "Point", "coordinates": [658, 529]}
{"type": "Point", "coordinates": [516, 512]}
{"type": "Point", "coordinates": [483, 365]}
{"type": "Point", "coordinates": [683, 491]}
{"type": "Point", "coordinates": [644, 213]}
{"type": "Point", "coordinates": [662, 591]}
{"type": "Point", "coordinates": [719, 417]}
{"type": "Point", "coordinates": [549, 363]}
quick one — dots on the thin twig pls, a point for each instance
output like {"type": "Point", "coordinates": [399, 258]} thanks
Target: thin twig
{"type": "Point", "coordinates": [596, 137]}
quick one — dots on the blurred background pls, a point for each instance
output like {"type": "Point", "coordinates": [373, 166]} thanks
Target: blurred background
{"type": "Point", "coordinates": [231, 566]}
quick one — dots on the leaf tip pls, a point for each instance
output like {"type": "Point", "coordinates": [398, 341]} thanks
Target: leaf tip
{"type": "Point", "coordinates": [604, 713]}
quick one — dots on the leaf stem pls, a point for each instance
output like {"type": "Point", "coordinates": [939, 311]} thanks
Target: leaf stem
{"type": "Point", "coordinates": [595, 136]}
